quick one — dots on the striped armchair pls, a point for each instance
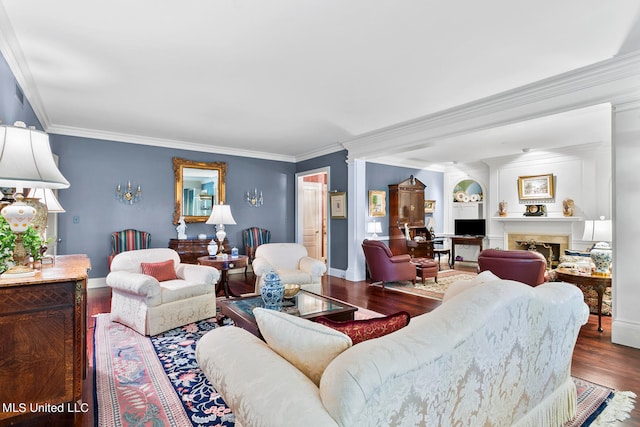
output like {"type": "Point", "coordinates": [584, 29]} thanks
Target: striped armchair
{"type": "Point", "coordinates": [128, 240]}
{"type": "Point", "coordinates": [252, 238]}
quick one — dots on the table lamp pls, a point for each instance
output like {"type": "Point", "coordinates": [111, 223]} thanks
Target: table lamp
{"type": "Point", "coordinates": [600, 231]}
{"type": "Point", "coordinates": [374, 227]}
{"type": "Point", "coordinates": [26, 161]}
{"type": "Point", "coordinates": [221, 215]}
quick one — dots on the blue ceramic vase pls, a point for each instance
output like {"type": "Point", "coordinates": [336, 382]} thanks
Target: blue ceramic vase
{"type": "Point", "coordinates": [272, 291]}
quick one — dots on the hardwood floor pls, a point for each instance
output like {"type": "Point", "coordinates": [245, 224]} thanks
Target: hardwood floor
{"type": "Point", "coordinates": [595, 358]}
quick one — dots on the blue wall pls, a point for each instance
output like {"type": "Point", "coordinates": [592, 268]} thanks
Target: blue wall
{"type": "Point", "coordinates": [379, 177]}
{"type": "Point", "coordinates": [11, 110]}
{"type": "Point", "coordinates": [95, 167]}
{"type": "Point", "coordinates": [338, 180]}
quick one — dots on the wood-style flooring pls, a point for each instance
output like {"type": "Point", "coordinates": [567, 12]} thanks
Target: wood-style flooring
{"type": "Point", "coordinates": [595, 358]}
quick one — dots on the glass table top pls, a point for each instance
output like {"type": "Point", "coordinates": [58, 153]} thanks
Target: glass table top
{"type": "Point", "coordinates": [303, 304]}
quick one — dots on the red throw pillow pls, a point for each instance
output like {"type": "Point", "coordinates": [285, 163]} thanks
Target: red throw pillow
{"type": "Point", "coordinates": [162, 271]}
{"type": "Point", "coordinates": [362, 330]}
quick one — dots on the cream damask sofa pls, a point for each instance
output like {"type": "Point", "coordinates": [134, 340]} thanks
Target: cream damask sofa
{"type": "Point", "coordinates": [291, 262]}
{"type": "Point", "coordinates": [149, 306]}
{"type": "Point", "coordinates": [494, 353]}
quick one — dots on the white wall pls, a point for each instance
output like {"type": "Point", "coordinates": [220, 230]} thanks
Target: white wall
{"type": "Point", "coordinates": [582, 174]}
{"type": "Point", "coordinates": [625, 327]}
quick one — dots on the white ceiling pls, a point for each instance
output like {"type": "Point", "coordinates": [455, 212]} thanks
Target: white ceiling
{"type": "Point", "coordinates": [291, 79]}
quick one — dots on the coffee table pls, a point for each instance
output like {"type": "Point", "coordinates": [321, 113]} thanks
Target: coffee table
{"type": "Point", "coordinates": [305, 304]}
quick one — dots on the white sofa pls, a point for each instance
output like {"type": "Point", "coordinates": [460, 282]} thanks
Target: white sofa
{"type": "Point", "coordinates": [498, 353]}
{"type": "Point", "coordinates": [292, 263]}
{"type": "Point", "coordinates": [151, 307]}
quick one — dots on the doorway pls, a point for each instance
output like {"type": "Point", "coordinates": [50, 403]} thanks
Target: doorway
{"type": "Point", "coordinates": [312, 216]}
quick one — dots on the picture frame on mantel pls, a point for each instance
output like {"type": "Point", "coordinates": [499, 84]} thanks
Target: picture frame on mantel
{"type": "Point", "coordinates": [536, 187]}
{"type": "Point", "coordinates": [338, 204]}
{"type": "Point", "coordinates": [377, 203]}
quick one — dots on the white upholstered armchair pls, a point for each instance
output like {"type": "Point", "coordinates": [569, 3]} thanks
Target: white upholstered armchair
{"type": "Point", "coordinates": [291, 262]}
{"type": "Point", "coordinates": [171, 294]}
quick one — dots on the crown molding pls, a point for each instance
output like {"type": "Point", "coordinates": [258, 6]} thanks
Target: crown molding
{"type": "Point", "coordinates": [12, 52]}
{"type": "Point", "coordinates": [164, 143]}
{"type": "Point", "coordinates": [329, 149]}
{"type": "Point", "coordinates": [615, 80]}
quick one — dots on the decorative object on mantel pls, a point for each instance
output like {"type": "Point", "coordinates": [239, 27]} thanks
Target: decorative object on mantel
{"type": "Point", "coordinates": [254, 198]}
{"type": "Point", "coordinates": [374, 227]}
{"type": "Point", "coordinates": [536, 188]}
{"type": "Point", "coordinates": [221, 215]}
{"type": "Point", "coordinates": [26, 161]}
{"type": "Point", "coordinates": [182, 229]}
{"type": "Point", "coordinates": [567, 207]}
{"type": "Point", "coordinates": [502, 208]}
{"type": "Point", "coordinates": [535, 210]}
{"type": "Point", "coordinates": [600, 231]}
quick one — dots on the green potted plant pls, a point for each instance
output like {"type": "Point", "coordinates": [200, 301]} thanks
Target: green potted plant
{"type": "Point", "coordinates": [7, 244]}
{"type": "Point", "coordinates": [33, 243]}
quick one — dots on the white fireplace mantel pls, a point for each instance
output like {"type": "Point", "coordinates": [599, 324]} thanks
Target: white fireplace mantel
{"type": "Point", "coordinates": [538, 219]}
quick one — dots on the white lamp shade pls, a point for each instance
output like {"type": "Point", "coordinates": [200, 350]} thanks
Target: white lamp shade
{"type": "Point", "coordinates": [602, 230]}
{"type": "Point", "coordinates": [26, 159]}
{"type": "Point", "coordinates": [587, 236]}
{"type": "Point", "coordinates": [374, 227]}
{"type": "Point", "coordinates": [221, 214]}
{"type": "Point", "coordinates": [598, 230]}
{"type": "Point", "coordinates": [46, 196]}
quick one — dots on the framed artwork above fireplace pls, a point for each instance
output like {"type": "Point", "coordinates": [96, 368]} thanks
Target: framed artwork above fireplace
{"type": "Point", "coordinates": [536, 187]}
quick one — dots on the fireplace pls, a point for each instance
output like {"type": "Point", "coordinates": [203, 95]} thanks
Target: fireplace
{"type": "Point", "coordinates": [551, 246]}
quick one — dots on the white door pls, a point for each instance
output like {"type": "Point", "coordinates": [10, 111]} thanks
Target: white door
{"type": "Point", "coordinates": [312, 193]}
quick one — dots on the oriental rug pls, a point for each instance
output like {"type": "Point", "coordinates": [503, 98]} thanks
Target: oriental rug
{"type": "Point", "coordinates": [156, 380]}
{"type": "Point", "coordinates": [430, 288]}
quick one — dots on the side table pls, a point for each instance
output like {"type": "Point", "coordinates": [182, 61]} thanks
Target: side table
{"type": "Point", "coordinates": [224, 265]}
{"type": "Point", "coordinates": [463, 240]}
{"type": "Point", "coordinates": [599, 283]}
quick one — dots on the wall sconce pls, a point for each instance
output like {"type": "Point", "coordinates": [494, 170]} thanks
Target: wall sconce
{"type": "Point", "coordinates": [254, 199]}
{"type": "Point", "coordinates": [127, 195]}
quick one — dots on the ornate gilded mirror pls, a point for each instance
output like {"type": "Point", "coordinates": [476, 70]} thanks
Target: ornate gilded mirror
{"type": "Point", "coordinates": [199, 185]}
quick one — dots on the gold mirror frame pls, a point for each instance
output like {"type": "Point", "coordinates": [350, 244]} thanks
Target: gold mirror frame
{"type": "Point", "coordinates": [179, 165]}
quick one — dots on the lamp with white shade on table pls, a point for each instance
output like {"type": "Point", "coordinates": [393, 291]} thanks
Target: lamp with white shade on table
{"type": "Point", "coordinates": [26, 161]}
{"type": "Point", "coordinates": [221, 216]}
{"type": "Point", "coordinates": [600, 231]}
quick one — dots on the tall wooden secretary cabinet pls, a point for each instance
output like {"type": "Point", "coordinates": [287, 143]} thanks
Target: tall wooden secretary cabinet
{"type": "Point", "coordinates": [406, 206]}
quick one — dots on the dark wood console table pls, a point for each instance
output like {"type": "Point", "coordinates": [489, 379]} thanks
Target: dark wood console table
{"type": "Point", "coordinates": [463, 240]}
{"type": "Point", "coordinates": [191, 249]}
{"type": "Point", "coordinates": [43, 326]}
{"type": "Point", "coordinates": [599, 283]}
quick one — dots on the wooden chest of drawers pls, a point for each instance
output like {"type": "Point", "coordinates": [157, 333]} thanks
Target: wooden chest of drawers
{"type": "Point", "coordinates": [43, 345]}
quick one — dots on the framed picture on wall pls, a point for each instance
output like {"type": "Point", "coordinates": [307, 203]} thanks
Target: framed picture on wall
{"type": "Point", "coordinates": [377, 203]}
{"type": "Point", "coordinates": [338, 204]}
{"type": "Point", "coordinates": [429, 206]}
{"type": "Point", "coordinates": [535, 187]}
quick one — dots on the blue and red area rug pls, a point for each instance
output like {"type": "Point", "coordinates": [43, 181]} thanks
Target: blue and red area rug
{"type": "Point", "coordinates": [156, 381]}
